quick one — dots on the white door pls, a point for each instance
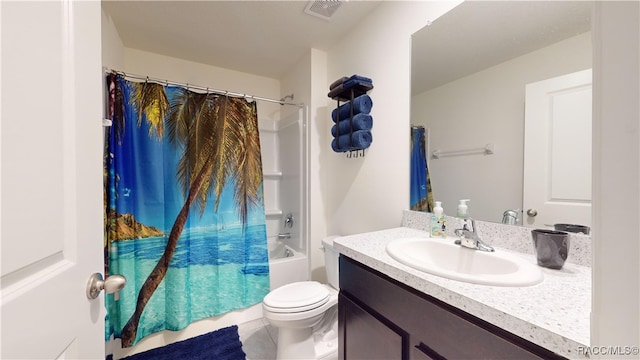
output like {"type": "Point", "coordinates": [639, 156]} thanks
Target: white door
{"type": "Point", "coordinates": [557, 151]}
{"type": "Point", "coordinates": [51, 179]}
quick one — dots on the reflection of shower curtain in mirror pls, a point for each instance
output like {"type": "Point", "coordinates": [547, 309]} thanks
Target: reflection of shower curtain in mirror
{"type": "Point", "coordinates": [421, 198]}
{"type": "Point", "coordinates": [184, 210]}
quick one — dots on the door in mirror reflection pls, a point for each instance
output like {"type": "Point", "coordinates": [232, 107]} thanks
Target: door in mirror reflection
{"type": "Point", "coordinates": [557, 151]}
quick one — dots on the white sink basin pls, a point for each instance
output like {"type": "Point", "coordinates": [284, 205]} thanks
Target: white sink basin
{"type": "Point", "coordinates": [444, 258]}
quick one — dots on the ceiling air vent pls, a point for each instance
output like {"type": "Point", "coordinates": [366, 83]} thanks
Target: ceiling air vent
{"type": "Point", "coordinates": [323, 9]}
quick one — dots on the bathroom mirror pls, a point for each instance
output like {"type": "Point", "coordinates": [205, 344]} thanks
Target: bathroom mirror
{"type": "Point", "coordinates": [469, 72]}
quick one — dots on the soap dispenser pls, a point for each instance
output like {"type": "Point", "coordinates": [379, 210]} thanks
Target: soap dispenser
{"type": "Point", "coordinates": [438, 223]}
{"type": "Point", "coordinates": [463, 213]}
{"type": "Point", "coordinates": [463, 209]}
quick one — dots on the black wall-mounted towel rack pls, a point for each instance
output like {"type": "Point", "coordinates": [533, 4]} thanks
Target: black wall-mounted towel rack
{"type": "Point", "coordinates": [349, 95]}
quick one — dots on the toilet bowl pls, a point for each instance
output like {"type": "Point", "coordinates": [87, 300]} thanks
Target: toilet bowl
{"type": "Point", "coordinates": [306, 314]}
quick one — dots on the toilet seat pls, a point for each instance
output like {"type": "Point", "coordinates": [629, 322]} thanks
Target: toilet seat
{"type": "Point", "coordinates": [296, 297]}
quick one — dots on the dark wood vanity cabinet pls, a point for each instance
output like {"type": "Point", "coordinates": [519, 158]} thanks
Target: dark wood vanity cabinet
{"type": "Point", "coordinates": [381, 318]}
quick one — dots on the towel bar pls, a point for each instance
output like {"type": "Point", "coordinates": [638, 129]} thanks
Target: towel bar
{"type": "Point", "coordinates": [489, 149]}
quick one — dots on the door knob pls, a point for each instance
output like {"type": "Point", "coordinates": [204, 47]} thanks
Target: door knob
{"type": "Point", "coordinates": [96, 284]}
{"type": "Point", "coordinates": [532, 212]}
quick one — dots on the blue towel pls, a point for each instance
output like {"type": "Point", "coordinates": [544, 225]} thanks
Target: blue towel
{"type": "Point", "coordinates": [353, 82]}
{"type": "Point", "coordinates": [342, 90]}
{"type": "Point", "coordinates": [361, 105]}
{"type": "Point", "coordinates": [338, 82]}
{"type": "Point", "coordinates": [357, 77]}
{"type": "Point", "coordinates": [359, 122]}
{"type": "Point", "coordinates": [361, 140]}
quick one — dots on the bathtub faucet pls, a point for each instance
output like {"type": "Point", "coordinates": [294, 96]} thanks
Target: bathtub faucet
{"type": "Point", "coordinates": [284, 236]}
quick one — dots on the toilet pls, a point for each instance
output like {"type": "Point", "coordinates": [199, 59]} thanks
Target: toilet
{"type": "Point", "coordinates": [306, 314]}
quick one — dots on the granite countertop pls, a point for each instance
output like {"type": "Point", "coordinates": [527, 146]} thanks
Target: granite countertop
{"type": "Point", "coordinates": [553, 314]}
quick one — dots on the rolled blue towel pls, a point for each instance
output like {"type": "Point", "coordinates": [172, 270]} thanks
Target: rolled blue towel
{"type": "Point", "coordinates": [361, 140]}
{"type": "Point", "coordinates": [361, 105]}
{"type": "Point", "coordinates": [359, 122]}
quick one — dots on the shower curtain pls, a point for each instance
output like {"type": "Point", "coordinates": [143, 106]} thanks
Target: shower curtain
{"type": "Point", "coordinates": [184, 210]}
{"type": "Point", "coordinates": [421, 194]}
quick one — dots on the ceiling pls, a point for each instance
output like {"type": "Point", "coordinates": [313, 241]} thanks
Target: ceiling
{"type": "Point", "coordinates": [479, 34]}
{"type": "Point", "coordinates": [267, 38]}
{"type": "Point", "coordinates": [264, 38]}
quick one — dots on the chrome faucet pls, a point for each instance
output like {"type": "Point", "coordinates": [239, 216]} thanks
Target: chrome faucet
{"type": "Point", "coordinates": [470, 238]}
{"type": "Point", "coordinates": [510, 217]}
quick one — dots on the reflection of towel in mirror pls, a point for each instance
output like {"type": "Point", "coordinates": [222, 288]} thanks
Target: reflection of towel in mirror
{"type": "Point", "coordinates": [359, 140]}
{"type": "Point", "coordinates": [361, 105]}
{"type": "Point", "coordinates": [359, 122]}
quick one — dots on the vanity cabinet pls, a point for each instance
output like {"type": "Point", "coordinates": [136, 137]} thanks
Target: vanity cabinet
{"type": "Point", "coordinates": [381, 318]}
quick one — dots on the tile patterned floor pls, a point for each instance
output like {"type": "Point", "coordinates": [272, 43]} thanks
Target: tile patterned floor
{"type": "Point", "coordinates": [258, 339]}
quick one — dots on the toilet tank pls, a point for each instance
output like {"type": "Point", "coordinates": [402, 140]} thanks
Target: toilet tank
{"type": "Point", "coordinates": [331, 261]}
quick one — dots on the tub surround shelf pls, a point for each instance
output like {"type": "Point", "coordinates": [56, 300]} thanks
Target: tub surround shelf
{"type": "Point", "coordinates": [553, 314]}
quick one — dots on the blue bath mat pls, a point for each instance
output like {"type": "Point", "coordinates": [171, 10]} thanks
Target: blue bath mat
{"type": "Point", "coordinates": [222, 344]}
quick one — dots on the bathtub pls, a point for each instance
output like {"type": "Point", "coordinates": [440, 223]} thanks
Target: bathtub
{"type": "Point", "coordinates": [286, 265]}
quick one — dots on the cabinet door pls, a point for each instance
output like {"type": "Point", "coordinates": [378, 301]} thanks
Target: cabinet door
{"type": "Point", "coordinates": [424, 352]}
{"type": "Point", "coordinates": [364, 336]}
{"type": "Point", "coordinates": [431, 328]}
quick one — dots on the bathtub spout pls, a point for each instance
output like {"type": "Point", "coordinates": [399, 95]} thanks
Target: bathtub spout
{"type": "Point", "coordinates": [284, 236]}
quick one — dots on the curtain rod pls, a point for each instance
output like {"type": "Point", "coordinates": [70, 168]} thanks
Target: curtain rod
{"type": "Point", "coordinates": [203, 88]}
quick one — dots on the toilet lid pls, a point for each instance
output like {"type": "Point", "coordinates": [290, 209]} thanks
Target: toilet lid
{"type": "Point", "coordinates": [295, 297]}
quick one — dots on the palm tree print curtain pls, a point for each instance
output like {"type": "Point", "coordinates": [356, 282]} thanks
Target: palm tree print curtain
{"type": "Point", "coordinates": [184, 211]}
{"type": "Point", "coordinates": [421, 197]}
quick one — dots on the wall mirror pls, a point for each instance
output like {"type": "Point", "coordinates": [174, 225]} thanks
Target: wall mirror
{"type": "Point", "coordinates": [469, 69]}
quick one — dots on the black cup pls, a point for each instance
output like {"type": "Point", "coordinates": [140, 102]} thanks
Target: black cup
{"type": "Point", "coordinates": [552, 247]}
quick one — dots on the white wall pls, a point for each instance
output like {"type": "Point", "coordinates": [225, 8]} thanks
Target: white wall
{"type": "Point", "coordinates": [488, 107]}
{"type": "Point", "coordinates": [369, 193]}
{"type": "Point", "coordinates": [117, 57]}
{"type": "Point", "coordinates": [307, 80]}
{"type": "Point", "coordinates": [112, 47]}
{"type": "Point", "coordinates": [616, 175]}
{"type": "Point", "coordinates": [184, 71]}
